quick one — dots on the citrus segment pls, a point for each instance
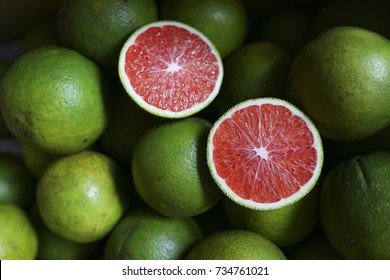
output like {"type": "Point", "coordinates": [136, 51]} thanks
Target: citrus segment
{"type": "Point", "coordinates": [265, 153]}
{"type": "Point", "coordinates": [170, 69]}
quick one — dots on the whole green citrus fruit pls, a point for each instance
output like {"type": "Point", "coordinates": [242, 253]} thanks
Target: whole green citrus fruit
{"type": "Point", "coordinates": [51, 246]}
{"type": "Point", "coordinates": [82, 196]}
{"type": "Point", "coordinates": [224, 22]}
{"type": "Point", "coordinates": [170, 171]}
{"type": "Point", "coordinates": [257, 69]}
{"type": "Point", "coordinates": [18, 238]}
{"type": "Point", "coordinates": [284, 226]}
{"type": "Point", "coordinates": [354, 206]}
{"type": "Point", "coordinates": [341, 79]}
{"type": "Point", "coordinates": [99, 28]}
{"type": "Point", "coordinates": [147, 235]}
{"type": "Point", "coordinates": [55, 100]}
{"type": "Point", "coordinates": [235, 245]}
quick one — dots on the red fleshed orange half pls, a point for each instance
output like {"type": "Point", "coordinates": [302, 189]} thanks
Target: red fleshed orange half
{"type": "Point", "coordinates": [170, 69]}
{"type": "Point", "coordinates": [265, 153]}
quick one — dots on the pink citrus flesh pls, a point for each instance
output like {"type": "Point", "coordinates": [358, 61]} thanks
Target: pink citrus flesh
{"type": "Point", "coordinates": [265, 153]}
{"type": "Point", "coordinates": [170, 69]}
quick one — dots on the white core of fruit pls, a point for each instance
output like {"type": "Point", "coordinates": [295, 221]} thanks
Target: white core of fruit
{"type": "Point", "coordinates": [173, 67]}
{"type": "Point", "coordinates": [262, 152]}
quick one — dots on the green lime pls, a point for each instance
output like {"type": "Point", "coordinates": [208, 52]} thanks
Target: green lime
{"type": "Point", "coordinates": [18, 238]}
{"type": "Point", "coordinates": [82, 196]}
{"type": "Point", "coordinates": [144, 234]}
{"type": "Point", "coordinates": [257, 69]}
{"type": "Point", "coordinates": [284, 226]}
{"type": "Point", "coordinates": [99, 28]}
{"type": "Point", "coordinates": [54, 99]}
{"type": "Point", "coordinates": [51, 246]}
{"type": "Point", "coordinates": [354, 206]}
{"type": "Point", "coordinates": [340, 79]}
{"type": "Point", "coordinates": [224, 22]}
{"type": "Point", "coordinates": [170, 170]}
{"type": "Point", "coordinates": [235, 245]}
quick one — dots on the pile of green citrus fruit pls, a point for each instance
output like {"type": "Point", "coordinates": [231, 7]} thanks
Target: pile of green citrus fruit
{"type": "Point", "coordinates": [184, 129]}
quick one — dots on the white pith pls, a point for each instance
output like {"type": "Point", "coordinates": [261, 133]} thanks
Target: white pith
{"type": "Point", "coordinates": [262, 152]}
{"type": "Point", "coordinates": [171, 68]}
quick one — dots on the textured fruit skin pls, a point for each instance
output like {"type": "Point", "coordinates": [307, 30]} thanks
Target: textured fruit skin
{"type": "Point", "coordinates": [224, 22]}
{"type": "Point", "coordinates": [17, 185]}
{"type": "Point", "coordinates": [257, 69]}
{"type": "Point", "coordinates": [170, 171]}
{"type": "Point", "coordinates": [354, 206]}
{"type": "Point", "coordinates": [55, 100]}
{"type": "Point", "coordinates": [82, 196]}
{"type": "Point", "coordinates": [51, 246]}
{"type": "Point", "coordinates": [147, 235]}
{"type": "Point", "coordinates": [99, 28]}
{"type": "Point", "coordinates": [235, 245]}
{"type": "Point", "coordinates": [18, 238]}
{"type": "Point", "coordinates": [341, 80]}
{"type": "Point", "coordinates": [285, 226]}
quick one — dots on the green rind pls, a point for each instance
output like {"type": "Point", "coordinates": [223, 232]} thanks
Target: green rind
{"type": "Point", "coordinates": [82, 196]}
{"type": "Point", "coordinates": [144, 234]}
{"type": "Point", "coordinates": [235, 245]}
{"type": "Point", "coordinates": [56, 100]}
{"type": "Point", "coordinates": [98, 28]}
{"type": "Point", "coordinates": [170, 171]}
{"type": "Point", "coordinates": [354, 206]}
{"type": "Point", "coordinates": [18, 237]}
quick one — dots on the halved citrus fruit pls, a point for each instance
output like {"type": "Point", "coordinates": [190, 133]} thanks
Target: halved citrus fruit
{"type": "Point", "coordinates": [264, 153]}
{"type": "Point", "coordinates": [170, 69]}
